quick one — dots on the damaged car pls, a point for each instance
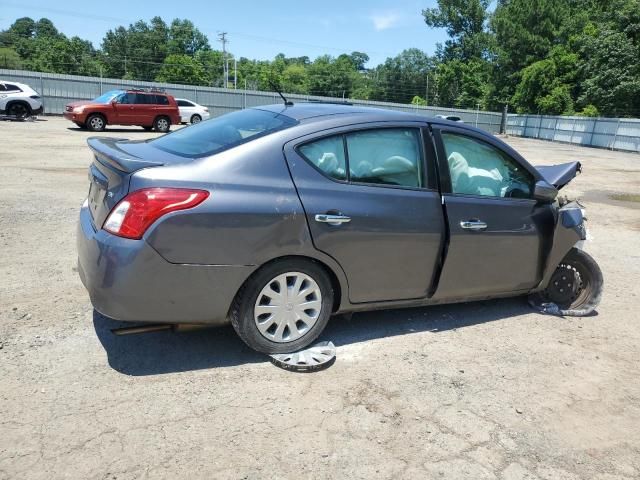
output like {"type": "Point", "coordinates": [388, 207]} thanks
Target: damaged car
{"type": "Point", "coordinates": [274, 218]}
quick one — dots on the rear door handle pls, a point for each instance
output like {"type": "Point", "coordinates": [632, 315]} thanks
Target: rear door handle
{"type": "Point", "coordinates": [473, 225]}
{"type": "Point", "coordinates": [332, 219]}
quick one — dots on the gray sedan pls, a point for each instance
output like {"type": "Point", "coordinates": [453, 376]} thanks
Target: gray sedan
{"type": "Point", "coordinates": [274, 218]}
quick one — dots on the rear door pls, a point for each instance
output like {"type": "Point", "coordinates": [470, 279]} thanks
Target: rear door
{"type": "Point", "coordinates": [371, 203]}
{"type": "Point", "coordinates": [497, 230]}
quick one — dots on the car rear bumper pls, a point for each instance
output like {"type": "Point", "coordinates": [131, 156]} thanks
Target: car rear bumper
{"type": "Point", "coordinates": [128, 280]}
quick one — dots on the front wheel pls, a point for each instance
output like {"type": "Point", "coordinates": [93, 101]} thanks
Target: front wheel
{"type": "Point", "coordinates": [576, 285]}
{"type": "Point", "coordinates": [96, 123]}
{"type": "Point", "coordinates": [283, 307]}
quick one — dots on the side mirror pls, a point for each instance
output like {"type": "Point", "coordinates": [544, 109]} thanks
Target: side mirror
{"type": "Point", "coordinates": [545, 192]}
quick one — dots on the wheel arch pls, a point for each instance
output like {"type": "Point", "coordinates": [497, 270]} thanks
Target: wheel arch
{"type": "Point", "coordinates": [338, 285]}
{"type": "Point", "coordinates": [18, 101]}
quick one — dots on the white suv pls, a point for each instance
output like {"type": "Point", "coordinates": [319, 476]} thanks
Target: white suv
{"type": "Point", "coordinates": [191, 112]}
{"type": "Point", "coordinates": [19, 100]}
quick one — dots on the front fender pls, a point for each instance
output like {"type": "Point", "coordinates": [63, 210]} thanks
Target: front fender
{"type": "Point", "coordinates": [569, 231]}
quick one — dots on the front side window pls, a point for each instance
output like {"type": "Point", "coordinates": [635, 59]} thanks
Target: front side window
{"type": "Point", "coordinates": [477, 168]}
{"type": "Point", "coordinates": [11, 88]}
{"type": "Point", "coordinates": [226, 131]}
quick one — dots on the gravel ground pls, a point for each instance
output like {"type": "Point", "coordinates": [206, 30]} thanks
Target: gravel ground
{"type": "Point", "coordinates": [480, 391]}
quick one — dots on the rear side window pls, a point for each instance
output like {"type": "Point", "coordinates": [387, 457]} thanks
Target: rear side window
{"type": "Point", "coordinates": [144, 99]}
{"type": "Point", "coordinates": [184, 103]}
{"type": "Point", "coordinates": [386, 156]}
{"type": "Point", "coordinates": [328, 156]}
{"type": "Point", "coordinates": [161, 100]}
{"type": "Point", "coordinates": [226, 131]}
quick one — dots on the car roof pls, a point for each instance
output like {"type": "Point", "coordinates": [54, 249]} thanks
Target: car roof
{"type": "Point", "coordinates": [310, 111]}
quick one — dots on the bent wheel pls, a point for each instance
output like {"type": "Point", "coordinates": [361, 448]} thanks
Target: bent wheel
{"type": "Point", "coordinates": [283, 307]}
{"type": "Point", "coordinates": [576, 285]}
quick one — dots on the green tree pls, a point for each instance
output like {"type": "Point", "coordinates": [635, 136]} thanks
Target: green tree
{"type": "Point", "coordinates": [183, 69]}
{"type": "Point", "coordinates": [402, 77]}
{"type": "Point", "coordinates": [9, 58]}
{"type": "Point", "coordinates": [465, 22]}
{"type": "Point", "coordinates": [185, 38]}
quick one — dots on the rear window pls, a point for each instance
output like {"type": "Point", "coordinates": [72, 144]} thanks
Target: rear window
{"type": "Point", "coordinates": [215, 135]}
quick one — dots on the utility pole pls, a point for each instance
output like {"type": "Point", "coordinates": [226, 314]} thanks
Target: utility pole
{"type": "Point", "coordinates": [477, 112]}
{"type": "Point", "coordinates": [235, 73]}
{"type": "Point", "coordinates": [222, 36]}
{"type": "Point", "coordinates": [426, 93]}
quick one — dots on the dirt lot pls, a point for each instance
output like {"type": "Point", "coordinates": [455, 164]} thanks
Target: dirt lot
{"type": "Point", "coordinates": [480, 391]}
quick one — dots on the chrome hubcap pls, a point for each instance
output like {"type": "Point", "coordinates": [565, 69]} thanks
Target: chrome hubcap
{"type": "Point", "coordinates": [288, 307]}
{"type": "Point", "coordinates": [96, 122]}
{"type": "Point", "coordinates": [162, 124]}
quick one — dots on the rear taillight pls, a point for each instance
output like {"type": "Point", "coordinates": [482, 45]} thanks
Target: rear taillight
{"type": "Point", "coordinates": [135, 213]}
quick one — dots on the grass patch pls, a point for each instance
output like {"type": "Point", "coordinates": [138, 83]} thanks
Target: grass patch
{"type": "Point", "coordinates": [626, 197]}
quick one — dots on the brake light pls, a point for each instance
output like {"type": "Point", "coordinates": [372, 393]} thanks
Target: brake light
{"type": "Point", "coordinates": [135, 213]}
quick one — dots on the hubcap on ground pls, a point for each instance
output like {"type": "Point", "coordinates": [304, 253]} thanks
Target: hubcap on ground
{"type": "Point", "coordinates": [288, 307]}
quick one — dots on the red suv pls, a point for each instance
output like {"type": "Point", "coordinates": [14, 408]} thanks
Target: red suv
{"type": "Point", "coordinates": [147, 108]}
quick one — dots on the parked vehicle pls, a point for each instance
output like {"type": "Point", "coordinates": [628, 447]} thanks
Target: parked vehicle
{"type": "Point", "coordinates": [150, 109]}
{"type": "Point", "coordinates": [191, 112]}
{"type": "Point", "coordinates": [452, 118]}
{"type": "Point", "coordinates": [275, 218]}
{"type": "Point", "coordinates": [19, 100]}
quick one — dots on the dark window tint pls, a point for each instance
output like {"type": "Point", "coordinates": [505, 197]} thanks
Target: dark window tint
{"type": "Point", "coordinates": [391, 156]}
{"type": "Point", "coordinates": [9, 87]}
{"type": "Point", "coordinates": [212, 136]}
{"type": "Point", "coordinates": [327, 154]}
{"type": "Point", "coordinates": [477, 168]}
{"type": "Point", "coordinates": [184, 103]}
{"type": "Point", "coordinates": [161, 100]}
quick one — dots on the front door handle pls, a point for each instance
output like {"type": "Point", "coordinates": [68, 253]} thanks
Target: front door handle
{"type": "Point", "coordinates": [332, 219]}
{"type": "Point", "coordinates": [473, 225]}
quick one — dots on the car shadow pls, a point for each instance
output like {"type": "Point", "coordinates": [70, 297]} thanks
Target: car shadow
{"type": "Point", "coordinates": [168, 352]}
{"type": "Point", "coordinates": [112, 130]}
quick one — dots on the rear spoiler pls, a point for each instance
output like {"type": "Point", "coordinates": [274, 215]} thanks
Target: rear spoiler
{"type": "Point", "coordinates": [108, 152]}
{"type": "Point", "coordinates": [560, 175]}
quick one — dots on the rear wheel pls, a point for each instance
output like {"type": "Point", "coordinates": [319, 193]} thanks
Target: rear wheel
{"type": "Point", "coordinates": [20, 110]}
{"type": "Point", "coordinates": [196, 118]}
{"type": "Point", "coordinates": [96, 123]}
{"type": "Point", "coordinates": [162, 124]}
{"type": "Point", "coordinates": [576, 285]}
{"type": "Point", "coordinates": [283, 307]}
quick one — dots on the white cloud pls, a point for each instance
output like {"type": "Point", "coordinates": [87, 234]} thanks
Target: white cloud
{"type": "Point", "coordinates": [385, 20]}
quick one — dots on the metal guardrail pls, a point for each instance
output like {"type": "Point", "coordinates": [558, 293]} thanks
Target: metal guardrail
{"type": "Point", "coordinates": [58, 89]}
{"type": "Point", "coordinates": [612, 133]}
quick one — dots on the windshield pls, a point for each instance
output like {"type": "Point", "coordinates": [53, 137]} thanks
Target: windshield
{"type": "Point", "coordinates": [217, 134]}
{"type": "Point", "coordinates": [108, 96]}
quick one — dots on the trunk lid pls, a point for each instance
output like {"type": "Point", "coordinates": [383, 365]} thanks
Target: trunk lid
{"type": "Point", "coordinates": [560, 175]}
{"type": "Point", "coordinates": [115, 160]}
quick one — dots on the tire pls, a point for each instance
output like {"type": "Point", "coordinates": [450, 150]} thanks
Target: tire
{"type": "Point", "coordinates": [20, 110]}
{"type": "Point", "coordinates": [162, 124]}
{"type": "Point", "coordinates": [96, 122]}
{"type": "Point", "coordinates": [575, 299]}
{"type": "Point", "coordinates": [299, 330]}
{"type": "Point", "coordinates": [195, 118]}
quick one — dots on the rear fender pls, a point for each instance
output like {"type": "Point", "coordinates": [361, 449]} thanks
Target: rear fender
{"type": "Point", "coordinates": [569, 232]}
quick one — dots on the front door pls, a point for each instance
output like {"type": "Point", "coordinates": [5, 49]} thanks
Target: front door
{"type": "Point", "coordinates": [372, 207]}
{"type": "Point", "coordinates": [496, 228]}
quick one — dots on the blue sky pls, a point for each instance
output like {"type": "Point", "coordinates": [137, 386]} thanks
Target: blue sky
{"type": "Point", "coordinates": [257, 29]}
